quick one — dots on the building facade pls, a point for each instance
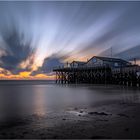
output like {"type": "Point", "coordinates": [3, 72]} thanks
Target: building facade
{"type": "Point", "coordinates": [76, 64]}
{"type": "Point", "coordinates": [106, 61]}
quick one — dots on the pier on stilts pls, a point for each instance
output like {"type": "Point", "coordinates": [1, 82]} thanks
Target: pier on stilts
{"type": "Point", "coordinates": [83, 75]}
{"type": "Point", "coordinates": [128, 75]}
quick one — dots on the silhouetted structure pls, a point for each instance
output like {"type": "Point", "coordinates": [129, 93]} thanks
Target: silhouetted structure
{"type": "Point", "coordinates": [76, 64]}
{"type": "Point", "coordinates": [100, 70]}
{"type": "Point", "coordinates": [106, 61]}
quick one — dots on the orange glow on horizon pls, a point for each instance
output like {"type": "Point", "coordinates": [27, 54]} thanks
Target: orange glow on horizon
{"type": "Point", "coordinates": [26, 76]}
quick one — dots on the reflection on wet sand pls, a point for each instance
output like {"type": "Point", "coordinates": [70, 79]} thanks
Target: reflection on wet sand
{"type": "Point", "coordinates": [74, 111]}
{"type": "Point", "coordinates": [39, 101]}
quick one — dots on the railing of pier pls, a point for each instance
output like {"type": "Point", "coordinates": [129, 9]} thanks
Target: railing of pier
{"type": "Point", "coordinates": [82, 66]}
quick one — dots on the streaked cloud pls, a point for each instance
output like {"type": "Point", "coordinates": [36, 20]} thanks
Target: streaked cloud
{"type": "Point", "coordinates": [52, 32]}
{"type": "Point", "coordinates": [18, 54]}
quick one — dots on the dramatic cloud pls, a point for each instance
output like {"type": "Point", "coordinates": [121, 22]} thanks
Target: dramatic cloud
{"type": "Point", "coordinates": [16, 52]}
{"type": "Point", "coordinates": [4, 72]}
{"type": "Point", "coordinates": [48, 65]}
{"type": "Point", "coordinates": [72, 30]}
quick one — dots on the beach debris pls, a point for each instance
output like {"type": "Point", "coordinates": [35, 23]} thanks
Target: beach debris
{"type": "Point", "coordinates": [81, 111]}
{"type": "Point", "coordinates": [98, 113]}
{"type": "Point", "coordinates": [78, 113]}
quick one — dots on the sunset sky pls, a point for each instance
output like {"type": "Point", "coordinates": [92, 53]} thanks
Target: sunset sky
{"type": "Point", "coordinates": [37, 36]}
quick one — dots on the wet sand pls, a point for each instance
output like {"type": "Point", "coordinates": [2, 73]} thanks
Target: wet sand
{"type": "Point", "coordinates": [112, 112]}
{"type": "Point", "coordinates": [111, 120]}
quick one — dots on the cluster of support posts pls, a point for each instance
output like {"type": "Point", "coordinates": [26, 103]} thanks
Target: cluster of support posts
{"type": "Point", "coordinates": [97, 75]}
{"type": "Point", "coordinates": [83, 75]}
{"type": "Point", "coordinates": [129, 78]}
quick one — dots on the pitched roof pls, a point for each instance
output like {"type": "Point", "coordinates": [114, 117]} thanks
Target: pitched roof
{"type": "Point", "coordinates": [109, 59]}
{"type": "Point", "coordinates": [79, 62]}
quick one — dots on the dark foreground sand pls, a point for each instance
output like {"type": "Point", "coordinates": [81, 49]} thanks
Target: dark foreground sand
{"type": "Point", "coordinates": [108, 120]}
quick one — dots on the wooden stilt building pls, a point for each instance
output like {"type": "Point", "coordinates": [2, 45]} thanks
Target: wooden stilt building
{"type": "Point", "coordinates": [99, 70]}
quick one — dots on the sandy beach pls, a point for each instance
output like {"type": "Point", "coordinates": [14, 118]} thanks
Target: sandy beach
{"type": "Point", "coordinates": [114, 118]}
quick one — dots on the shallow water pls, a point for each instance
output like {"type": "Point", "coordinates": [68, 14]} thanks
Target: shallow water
{"type": "Point", "coordinates": [21, 100]}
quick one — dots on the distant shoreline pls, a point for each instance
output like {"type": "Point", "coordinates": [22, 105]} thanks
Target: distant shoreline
{"type": "Point", "coordinates": [30, 82]}
{"type": "Point", "coordinates": [26, 80]}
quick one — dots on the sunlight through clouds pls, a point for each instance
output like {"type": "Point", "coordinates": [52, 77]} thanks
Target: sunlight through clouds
{"type": "Point", "coordinates": [69, 30]}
